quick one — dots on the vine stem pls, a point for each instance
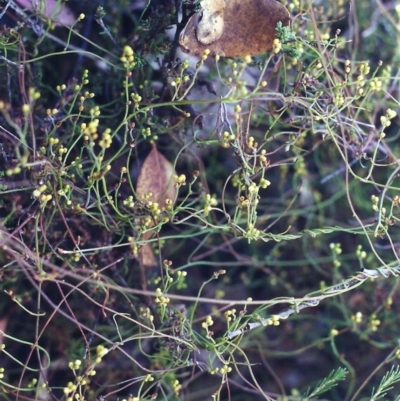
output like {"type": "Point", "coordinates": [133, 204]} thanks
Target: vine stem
{"type": "Point", "coordinates": [345, 286]}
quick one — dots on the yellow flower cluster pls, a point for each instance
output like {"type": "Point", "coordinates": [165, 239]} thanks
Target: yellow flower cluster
{"type": "Point", "coordinates": [207, 323]}
{"type": "Point", "coordinates": [128, 58]}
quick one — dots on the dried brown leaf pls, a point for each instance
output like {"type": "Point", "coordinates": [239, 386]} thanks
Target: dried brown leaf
{"type": "Point", "coordinates": [239, 27]}
{"type": "Point", "coordinates": [211, 25]}
{"type": "Point", "coordinates": [3, 327]}
{"type": "Point", "coordinates": [156, 177]}
{"type": "Point", "coordinates": [146, 255]}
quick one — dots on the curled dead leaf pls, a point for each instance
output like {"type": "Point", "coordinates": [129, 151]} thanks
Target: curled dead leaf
{"type": "Point", "coordinates": [211, 25]}
{"type": "Point", "coordinates": [156, 177]}
{"type": "Point", "coordinates": [233, 28]}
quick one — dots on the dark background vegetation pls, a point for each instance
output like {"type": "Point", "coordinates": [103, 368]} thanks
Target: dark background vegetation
{"type": "Point", "coordinates": [72, 277]}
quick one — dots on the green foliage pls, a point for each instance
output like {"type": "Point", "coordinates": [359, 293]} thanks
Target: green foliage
{"type": "Point", "coordinates": [390, 378]}
{"type": "Point", "coordinates": [327, 383]}
{"type": "Point", "coordinates": [198, 229]}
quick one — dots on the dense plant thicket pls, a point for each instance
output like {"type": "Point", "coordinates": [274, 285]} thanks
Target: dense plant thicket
{"type": "Point", "coordinates": [178, 227]}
